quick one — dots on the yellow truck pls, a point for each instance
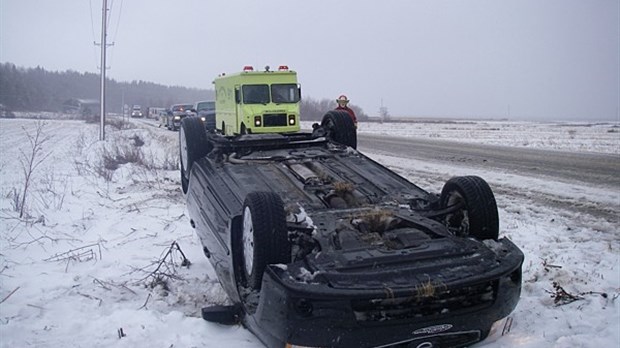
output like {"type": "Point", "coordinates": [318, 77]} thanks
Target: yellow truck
{"type": "Point", "coordinates": [257, 101]}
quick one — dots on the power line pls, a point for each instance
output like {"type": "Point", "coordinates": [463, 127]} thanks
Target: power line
{"type": "Point", "coordinates": [92, 28]}
{"type": "Point", "coordinates": [118, 21]}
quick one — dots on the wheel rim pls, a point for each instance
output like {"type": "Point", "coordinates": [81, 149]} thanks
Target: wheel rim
{"type": "Point", "coordinates": [183, 151]}
{"type": "Point", "coordinates": [458, 222]}
{"type": "Point", "coordinates": [248, 241]}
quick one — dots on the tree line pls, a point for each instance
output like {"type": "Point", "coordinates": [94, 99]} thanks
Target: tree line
{"type": "Point", "coordinates": [36, 89]}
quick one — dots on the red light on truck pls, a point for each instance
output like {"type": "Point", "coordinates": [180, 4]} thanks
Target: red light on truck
{"type": "Point", "coordinates": [283, 68]}
{"type": "Point", "coordinates": [248, 68]}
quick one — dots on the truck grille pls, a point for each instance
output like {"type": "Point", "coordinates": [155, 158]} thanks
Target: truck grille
{"type": "Point", "coordinates": [442, 302]}
{"type": "Point", "coordinates": [274, 120]}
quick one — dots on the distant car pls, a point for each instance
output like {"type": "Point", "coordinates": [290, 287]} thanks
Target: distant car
{"type": "Point", "coordinates": [176, 113]}
{"type": "Point", "coordinates": [154, 112]}
{"type": "Point", "coordinates": [162, 117]}
{"type": "Point", "coordinates": [136, 111]}
{"type": "Point", "coordinates": [206, 111]}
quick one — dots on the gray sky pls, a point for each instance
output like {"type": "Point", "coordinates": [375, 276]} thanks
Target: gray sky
{"type": "Point", "coordinates": [552, 59]}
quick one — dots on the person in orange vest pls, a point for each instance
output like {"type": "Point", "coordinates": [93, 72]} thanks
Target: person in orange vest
{"type": "Point", "coordinates": [342, 105]}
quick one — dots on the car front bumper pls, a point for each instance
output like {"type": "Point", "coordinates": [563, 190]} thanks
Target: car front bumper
{"type": "Point", "coordinates": [453, 315]}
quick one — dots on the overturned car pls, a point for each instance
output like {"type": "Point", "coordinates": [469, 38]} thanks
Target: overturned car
{"type": "Point", "coordinates": [317, 245]}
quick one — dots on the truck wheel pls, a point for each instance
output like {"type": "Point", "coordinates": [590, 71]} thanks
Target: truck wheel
{"type": "Point", "coordinates": [264, 237]}
{"type": "Point", "coordinates": [193, 145]}
{"type": "Point", "coordinates": [477, 215]}
{"type": "Point", "coordinates": [340, 128]}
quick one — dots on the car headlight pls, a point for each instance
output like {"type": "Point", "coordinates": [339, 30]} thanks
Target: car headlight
{"type": "Point", "coordinates": [257, 121]}
{"type": "Point", "coordinates": [177, 117]}
{"type": "Point", "coordinates": [203, 119]}
{"type": "Point", "coordinates": [291, 120]}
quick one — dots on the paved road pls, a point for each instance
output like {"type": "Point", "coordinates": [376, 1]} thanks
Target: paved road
{"type": "Point", "coordinates": [598, 169]}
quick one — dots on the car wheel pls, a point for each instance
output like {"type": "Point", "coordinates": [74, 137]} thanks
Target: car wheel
{"type": "Point", "coordinates": [340, 128]}
{"type": "Point", "coordinates": [476, 215]}
{"type": "Point", "coordinates": [193, 145]}
{"type": "Point", "coordinates": [264, 237]}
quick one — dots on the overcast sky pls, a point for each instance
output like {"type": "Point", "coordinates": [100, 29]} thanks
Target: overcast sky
{"type": "Point", "coordinates": [527, 59]}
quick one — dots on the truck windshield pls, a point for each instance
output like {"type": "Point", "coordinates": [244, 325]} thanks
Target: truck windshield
{"type": "Point", "coordinates": [205, 106]}
{"type": "Point", "coordinates": [255, 94]}
{"type": "Point", "coordinates": [284, 93]}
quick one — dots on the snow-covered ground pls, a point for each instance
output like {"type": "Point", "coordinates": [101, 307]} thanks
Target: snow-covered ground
{"type": "Point", "coordinates": [574, 136]}
{"type": "Point", "coordinates": [94, 252]}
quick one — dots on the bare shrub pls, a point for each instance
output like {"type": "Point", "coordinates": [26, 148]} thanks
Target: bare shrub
{"type": "Point", "coordinates": [14, 195]}
{"type": "Point", "coordinates": [171, 160]}
{"type": "Point", "coordinates": [53, 190]}
{"type": "Point", "coordinates": [125, 149]}
{"type": "Point", "coordinates": [137, 141]}
{"type": "Point", "coordinates": [31, 159]}
{"type": "Point", "coordinates": [120, 155]}
{"type": "Point", "coordinates": [164, 269]}
{"type": "Point", "coordinates": [84, 141]}
{"type": "Point", "coordinates": [119, 123]}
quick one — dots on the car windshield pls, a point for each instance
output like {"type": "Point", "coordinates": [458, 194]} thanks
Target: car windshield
{"type": "Point", "coordinates": [205, 106]}
{"type": "Point", "coordinates": [255, 94]}
{"type": "Point", "coordinates": [284, 93]}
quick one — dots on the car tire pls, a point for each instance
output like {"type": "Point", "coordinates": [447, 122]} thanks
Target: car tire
{"type": "Point", "coordinates": [193, 145]}
{"type": "Point", "coordinates": [340, 128]}
{"type": "Point", "coordinates": [264, 237]}
{"type": "Point", "coordinates": [477, 217]}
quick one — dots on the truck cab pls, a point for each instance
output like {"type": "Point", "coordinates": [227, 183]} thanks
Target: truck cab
{"type": "Point", "coordinates": [136, 111]}
{"type": "Point", "coordinates": [257, 101]}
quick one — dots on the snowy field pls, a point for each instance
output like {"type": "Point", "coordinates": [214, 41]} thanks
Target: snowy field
{"type": "Point", "coordinates": [601, 137]}
{"type": "Point", "coordinates": [96, 260]}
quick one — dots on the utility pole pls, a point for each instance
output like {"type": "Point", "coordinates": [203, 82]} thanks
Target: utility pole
{"type": "Point", "coordinates": [123, 102]}
{"type": "Point", "coordinates": [104, 15]}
